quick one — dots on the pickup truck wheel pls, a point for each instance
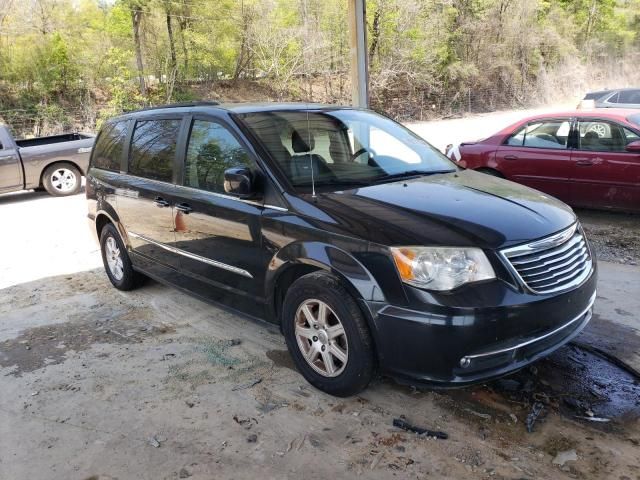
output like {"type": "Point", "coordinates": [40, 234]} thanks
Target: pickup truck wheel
{"type": "Point", "coordinates": [62, 179]}
{"type": "Point", "coordinates": [327, 335]}
{"type": "Point", "coordinates": [116, 261]}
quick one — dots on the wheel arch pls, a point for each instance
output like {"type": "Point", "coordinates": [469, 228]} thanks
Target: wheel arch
{"type": "Point", "coordinates": [105, 216]}
{"type": "Point", "coordinates": [300, 258]}
{"type": "Point", "coordinates": [55, 162]}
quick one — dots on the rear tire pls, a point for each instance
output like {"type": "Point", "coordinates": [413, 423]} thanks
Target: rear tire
{"type": "Point", "coordinates": [62, 179]}
{"type": "Point", "coordinates": [116, 260]}
{"type": "Point", "coordinates": [327, 335]}
{"type": "Point", "coordinates": [490, 171]}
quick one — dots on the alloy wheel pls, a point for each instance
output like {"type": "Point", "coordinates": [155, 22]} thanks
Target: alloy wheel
{"type": "Point", "coordinates": [114, 258]}
{"type": "Point", "coordinates": [321, 338]}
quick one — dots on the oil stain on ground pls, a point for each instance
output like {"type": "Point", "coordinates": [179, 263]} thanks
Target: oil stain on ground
{"type": "Point", "coordinates": [282, 359]}
{"type": "Point", "coordinates": [573, 382]}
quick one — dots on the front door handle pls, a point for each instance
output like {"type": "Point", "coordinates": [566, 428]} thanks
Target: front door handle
{"type": "Point", "coordinates": [584, 163]}
{"type": "Point", "coordinates": [510, 157]}
{"type": "Point", "coordinates": [184, 208]}
{"type": "Point", "coordinates": [160, 202]}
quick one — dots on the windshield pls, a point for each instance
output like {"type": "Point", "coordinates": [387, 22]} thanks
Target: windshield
{"type": "Point", "coordinates": [634, 119]}
{"type": "Point", "coordinates": [339, 147]}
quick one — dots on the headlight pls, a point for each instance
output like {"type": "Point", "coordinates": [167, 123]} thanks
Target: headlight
{"type": "Point", "coordinates": [441, 268]}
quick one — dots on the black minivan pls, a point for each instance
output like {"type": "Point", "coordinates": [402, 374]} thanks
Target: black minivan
{"type": "Point", "coordinates": [369, 248]}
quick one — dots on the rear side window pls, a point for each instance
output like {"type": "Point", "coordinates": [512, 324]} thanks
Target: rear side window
{"type": "Point", "coordinates": [542, 134]}
{"type": "Point", "coordinates": [153, 149]}
{"type": "Point", "coordinates": [108, 149]}
{"type": "Point", "coordinates": [629, 96]}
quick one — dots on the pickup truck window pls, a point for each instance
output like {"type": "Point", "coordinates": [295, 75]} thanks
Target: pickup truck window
{"type": "Point", "coordinates": [109, 146]}
{"type": "Point", "coordinates": [212, 149]}
{"type": "Point", "coordinates": [153, 149]}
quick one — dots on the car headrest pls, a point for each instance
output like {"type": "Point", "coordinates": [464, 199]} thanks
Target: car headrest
{"type": "Point", "coordinates": [302, 141]}
{"type": "Point", "coordinates": [591, 136]}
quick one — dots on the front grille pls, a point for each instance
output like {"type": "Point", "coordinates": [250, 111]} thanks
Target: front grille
{"type": "Point", "coordinates": [553, 264]}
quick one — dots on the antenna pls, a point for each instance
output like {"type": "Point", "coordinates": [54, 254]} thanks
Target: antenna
{"type": "Point", "coordinates": [306, 73]}
{"type": "Point", "coordinates": [313, 180]}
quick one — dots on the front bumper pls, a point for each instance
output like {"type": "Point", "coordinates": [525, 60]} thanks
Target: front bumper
{"type": "Point", "coordinates": [451, 346]}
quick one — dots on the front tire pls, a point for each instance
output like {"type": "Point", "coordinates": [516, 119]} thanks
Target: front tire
{"type": "Point", "coordinates": [327, 335]}
{"type": "Point", "coordinates": [116, 261]}
{"type": "Point", "coordinates": [62, 179]}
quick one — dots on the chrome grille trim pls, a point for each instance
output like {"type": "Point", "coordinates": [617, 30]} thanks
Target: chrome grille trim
{"type": "Point", "coordinates": [554, 264]}
{"type": "Point", "coordinates": [571, 254]}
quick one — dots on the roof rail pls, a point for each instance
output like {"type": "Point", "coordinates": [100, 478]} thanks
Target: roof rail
{"type": "Point", "coordinates": [197, 103]}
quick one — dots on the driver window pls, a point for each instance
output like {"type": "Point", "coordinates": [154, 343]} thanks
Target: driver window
{"type": "Point", "coordinates": [602, 136]}
{"type": "Point", "coordinates": [212, 150]}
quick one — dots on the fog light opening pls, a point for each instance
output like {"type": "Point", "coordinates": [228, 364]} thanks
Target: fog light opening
{"type": "Point", "coordinates": [465, 362]}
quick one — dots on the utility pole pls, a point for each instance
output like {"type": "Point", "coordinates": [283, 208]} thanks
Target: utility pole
{"type": "Point", "coordinates": [358, 53]}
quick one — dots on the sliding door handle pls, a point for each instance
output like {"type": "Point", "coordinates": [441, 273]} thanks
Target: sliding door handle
{"type": "Point", "coordinates": [160, 202]}
{"type": "Point", "coordinates": [184, 208]}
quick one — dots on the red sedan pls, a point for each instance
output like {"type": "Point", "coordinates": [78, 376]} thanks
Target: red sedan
{"type": "Point", "coordinates": [585, 158]}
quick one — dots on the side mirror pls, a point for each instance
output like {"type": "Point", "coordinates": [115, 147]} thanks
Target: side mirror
{"type": "Point", "coordinates": [238, 181]}
{"type": "Point", "coordinates": [634, 147]}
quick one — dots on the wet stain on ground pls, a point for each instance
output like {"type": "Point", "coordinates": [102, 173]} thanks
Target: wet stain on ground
{"type": "Point", "coordinates": [48, 345]}
{"type": "Point", "coordinates": [281, 358]}
{"type": "Point", "coordinates": [573, 382]}
{"type": "Point", "coordinates": [38, 347]}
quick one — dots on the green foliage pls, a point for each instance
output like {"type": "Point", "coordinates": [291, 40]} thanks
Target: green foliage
{"type": "Point", "coordinates": [80, 59]}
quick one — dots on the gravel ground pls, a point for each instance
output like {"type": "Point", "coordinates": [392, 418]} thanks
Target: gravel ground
{"type": "Point", "coordinates": [614, 236]}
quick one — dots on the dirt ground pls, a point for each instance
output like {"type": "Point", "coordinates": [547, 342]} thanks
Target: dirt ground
{"type": "Point", "coordinates": [153, 384]}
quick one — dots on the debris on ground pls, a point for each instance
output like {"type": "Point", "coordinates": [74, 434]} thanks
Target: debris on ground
{"type": "Point", "coordinates": [234, 342]}
{"type": "Point", "coordinates": [184, 473]}
{"type": "Point", "coordinates": [533, 416]}
{"type": "Point", "coordinates": [245, 386]}
{"type": "Point", "coordinates": [563, 457]}
{"type": "Point", "coordinates": [593, 419]}
{"type": "Point", "coordinates": [154, 442]}
{"type": "Point", "coordinates": [253, 438]}
{"type": "Point", "coordinates": [423, 432]}
{"type": "Point", "coordinates": [246, 422]}
{"type": "Point", "coordinates": [376, 460]}
{"type": "Point", "coordinates": [485, 416]}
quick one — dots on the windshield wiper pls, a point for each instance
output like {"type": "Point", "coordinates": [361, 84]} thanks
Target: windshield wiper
{"type": "Point", "coordinates": [337, 182]}
{"type": "Point", "coordinates": [408, 174]}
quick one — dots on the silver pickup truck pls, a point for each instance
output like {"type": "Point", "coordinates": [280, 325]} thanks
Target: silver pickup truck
{"type": "Point", "coordinates": [55, 163]}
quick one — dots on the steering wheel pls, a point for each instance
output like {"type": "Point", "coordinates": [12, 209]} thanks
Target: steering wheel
{"type": "Point", "coordinates": [357, 154]}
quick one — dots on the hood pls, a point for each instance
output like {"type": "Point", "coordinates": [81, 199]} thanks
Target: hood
{"type": "Point", "coordinates": [465, 208]}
